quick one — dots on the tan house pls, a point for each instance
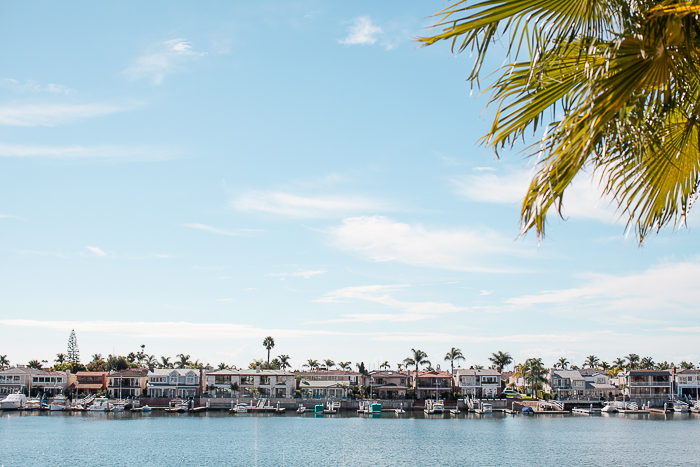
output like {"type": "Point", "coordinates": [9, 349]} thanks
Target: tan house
{"type": "Point", "coordinates": [127, 383]}
{"type": "Point", "coordinates": [52, 382]}
{"type": "Point", "coordinates": [90, 382]}
{"type": "Point", "coordinates": [13, 380]}
{"type": "Point", "coordinates": [253, 383]}
{"type": "Point", "coordinates": [433, 384]}
{"type": "Point", "coordinates": [387, 384]}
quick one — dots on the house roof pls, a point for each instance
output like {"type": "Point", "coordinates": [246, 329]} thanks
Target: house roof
{"type": "Point", "coordinates": [567, 374]}
{"type": "Point", "coordinates": [249, 372]}
{"type": "Point", "coordinates": [649, 373]}
{"type": "Point", "coordinates": [22, 371]}
{"type": "Point", "coordinates": [89, 385]}
{"type": "Point", "coordinates": [92, 373]}
{"type": "Point", "coordinates": [481, 372]}
{"type": "Point", "coordinates": [329, 372]}
{"type": "Point", "coordinates": [600, 386]}
{"type": "Point", "coordinates": [689, 372]}
{"type": "Point", "coordinates": [130, 373]}
{"type": "Point", "coordinates": [385, 373]}
{"type": "Point", "coordinates": [168, 371]}
{"type": "Point", "coordinates": [434, 374]}
{"type": "Point", "coordinates": [590, 371]}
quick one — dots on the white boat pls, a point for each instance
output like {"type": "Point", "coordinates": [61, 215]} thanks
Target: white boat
{"type": "Point", "coordinates": [33, 404]}
{"type": "Point", "coordinates": [679, 406]}
{"type": "Point", "coordinates": [485, 408]}
{"type": "Point", "coordinates": [13, 402]}
{"type": "Point", "coordinates": [101, 404]}
{"type": "Point", "coordinates": [58, 403]}
{"type": "Point", "coordinates": [145, 409]}
{"type": "Point", "coordinates": [241, 407]}
{"type": "Point", "coordinates": [434, 407]}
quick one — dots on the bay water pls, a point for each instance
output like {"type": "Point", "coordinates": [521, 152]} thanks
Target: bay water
{"type": "Point", "coordinates": [218, 438]}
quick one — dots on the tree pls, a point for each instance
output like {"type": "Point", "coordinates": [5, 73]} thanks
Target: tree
{"type": "Point", "coordinates": [184, 361]}
{"type": "Point", "coordinates": [345, 365]}
{"type": "Point", "coordinates": [222, 366]}
{"type": "Point", "coordinates": [275, 364]}
{"type": "Point", "coordinates": [647, 363]}
{"type": "Point", "coordinates": [4, 362]}
{"type": "Point", "coordinates": [591, 361]}
{"type": "Point", "coordinates": [165, 363]}
{"type": "Point", "coordinates": [451, 356]}
{"type": "Point", "coordinates": [684, 365]}
{"type": "Point", "coordinates": [633, 360]}
{"type": "Point", "coordinates": [284, 361]}
{"type": "Point", "coordinates": [361, 368]}
{"type": "Point", "coordinates": [534, 373]}
{"type": "Point", "coordinates": [117, 363]}
{"type": "Point", "coordinates": [605, 366]}
{"type": "Point", "coordinates": [613, 82]}
{"type": "Point", "coordinates": [562, 363]}
{"type": "Point", "coordinates": [619, 363]}
{"type": "Point", "coordinates": [268, 343]}
{"type": "Point", "coordinates": [329, 363]}
{"type": "Point", "coordinates": [73, 351]}
{"type": "Point", "coordinates": [417, 358]}
{"type": "Point", "coordinates": [501, 359]}
{"type": "Point", "coordinates": [385, 365]}
{"type": "Point", "coordinates": [399, 366]}
{"type": "Point", "coordinates": [36, 364]}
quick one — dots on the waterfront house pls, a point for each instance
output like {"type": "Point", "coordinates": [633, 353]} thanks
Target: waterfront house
{"type": "Point", "coordinates": [90, 382]}
{"type": "Point", "coordinates": [278, 384]}
{"type": "Point", "coordinates": [478, 383]}
{"type": "Point", "coordinates": [565, 383]}
{"type": "Point", "coordinates": [351, 378]}
{"type": "Point", "coordinates": [174, 382]}
{"type": "Point", "coordinates": [688, 383]}
{"type": "Point", "coordinates": [387, 384]}
{"type": "Point", "coordinates": [323, 389]}
{"type": "Point", "coordinates": [433, 384]}
{"type": "Point", "coordinates": [13, 380]}
{"type": "Point", "coordinates": [598, 384]}
{"type": "Point", "coordinates": [127, 383]}
{"type": "Point", "coordinates": [52, 382]}
{"type": "Point", "coordinates": [652, 387]}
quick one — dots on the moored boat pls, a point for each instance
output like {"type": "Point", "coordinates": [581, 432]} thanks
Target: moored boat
{"type": "Point", "coordinates": [13, 402]}
{"type": "Point", "coordinates": [101, 404]}
{"type": "Point", "coordinates": [58, 403]}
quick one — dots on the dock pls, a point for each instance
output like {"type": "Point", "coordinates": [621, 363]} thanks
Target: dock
{"type": "Point", "coordinates": [583, 411]}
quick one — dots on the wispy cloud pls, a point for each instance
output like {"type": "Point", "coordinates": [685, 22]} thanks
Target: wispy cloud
{"type": "Point", "coordinates": [56, 254]}
{"type": "Point", "coordinates": [163, 59]}
{"type": "Point", "coordinates": [218, 231]}
{"type": "Point", "coordinates": [305, 273]}
{"type": "Point", "coordinates": [291, 205]}
{"type": "Point", "coordinates": [362, 32]}
{"type": "Point", "coordinates": [34, 87]}
{"type": "Point", "coordinates": [96, 251]}
{"type": "Point", "coordinates": [53, 114]}
{"type": "Point", "coordinates": [381, 239]}
{"type": "Point", "coordinates": [411, 311]}
{"type": "Point", "coordinates": [121, 153]}
{"type": "Point", "coordinates": [664, 288]}
{"type": "Point", "coordinates": [582, 200]}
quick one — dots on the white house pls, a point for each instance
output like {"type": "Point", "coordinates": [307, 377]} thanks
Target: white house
{"type": "Point", "coordinates": [277, 384]}
{"type": "Point", "coordinates": [174, 382]}
{"type": "Point", "coordinates": [688, 383]}
{"type": "Point", "coordinates": [478, 383]}
{"type": "Point", "coordinates": [52, 382]}
{"type": "Point", "coordinates": [14, 380]}
{"type": "Point", "coordinates": [565, 383]}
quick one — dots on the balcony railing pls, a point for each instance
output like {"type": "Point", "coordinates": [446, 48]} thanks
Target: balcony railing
{"type": "Point", "coordinates": [651, 384]}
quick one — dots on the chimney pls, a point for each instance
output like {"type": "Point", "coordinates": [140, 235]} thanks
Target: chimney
{"type": "Point", "coordinates": [257, 368]}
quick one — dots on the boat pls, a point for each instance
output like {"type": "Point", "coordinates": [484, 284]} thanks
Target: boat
{"type": "Point", "coordinates": [101, 404]}
{"type": "Point", "coordinates": [434, 407]}
{"type": "Point", "coordinates": [679, 406]}
{"type": "Point", "coordinates": [180, 407]}
{"type": "Point", "coordinates": [145, 409]}
{"type": "Point", "coordinates": [58, 403]}
{"type": "Point", "coordinates": [33, 404]}
{"type": "Point", "coordinates": [241, 407]}
{"type": "Point", "coordinates": [13, 402]}
{"type": "Point", "coordinates": [609, 408]}
{"type": "Point", "coordinates": [301, 408]}
{"type": "Point", "coordinates": [455, 412]}
{"type": "Point", "coordinates": [485, 408]}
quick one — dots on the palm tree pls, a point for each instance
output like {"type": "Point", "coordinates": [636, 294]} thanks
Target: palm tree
{"type": "Point", "coordinates": [562, 363]}
{"type": "Point", "coordinates": [61, 358]}
{"type": "Point", "coordinates": [222, 366]}
{"type": "Point", "coordinates": [633, 360]}
{"type": "Point", "coordinates": [647, 363]}
{"type": "Point", "coordinates": [284, 361]}
{"type": "Point", "coordinates": [4, 361]}
{"type": "Point", "coordinates": [385, 365]}
{"type": "Point", "coordinates": [311, 364]}
{"type": "Point", "coordinates": [684, 365]}
{"type": "Point", "coordinates": [96, 357]}
{"type": "Point", "coordinates": [591, 361]}
{"type": "Point", "coordinates": [418, 358]}
{"type": "Point", "coordinates": [619, 362]}
{"type": "Point", "coordinates": [165, 362]}
{"type": "Point", "coordinates": [615, 83]}
{"type": "Point", "coordinates": [184, 361]}
{"type": "Point", "coordinates": [268, 343]}
{"type": "Point", "coordinates": [534, 373]}
{"type": "Point", "coordinates": [605, 366]}
{"type": "Point", "coordinates": [501, 359]}
{"type": "Point", "coordinates": [452, 355]}
{"type": "Point", "coordinates": [329, 363]}
{"type": "Point", "coordinates": [345, 365]}
{"type": "Point", "coordinates": [399, 366]}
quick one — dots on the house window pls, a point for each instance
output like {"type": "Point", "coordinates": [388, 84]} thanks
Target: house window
{"type": "Point", "coordinates": [246, 379]}
{"type": "Point", "coordinates": [280, 380]}
{"type": "Point", "coordinates": [265, 380]}
{"type": "Point", "coordinates": [219, 379]}
{"type": "Point", "coordinates": [173, 380]}
{"type": "Point", "coordinates": [190, 379]}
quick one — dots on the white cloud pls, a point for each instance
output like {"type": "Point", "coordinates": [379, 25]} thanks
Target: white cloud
{"type": "Point", "coordinates": [53, 114]}
{"type": "Point", "coordinates": [123, 153]}
{"type": "Point", "coordinates": [224, 299]}
{"type": "Point", "coordinates": [305, 273]}
{"type": "Point", "coordinates": [486, 292]}
{"type": "Point", "coordinates": [381, 239]}
{"type": "Point", "coordinates": [303, 206]}
{"type": "Point", "coordinates": [660, 289]}
{"type": "Point", "coordinates": [165, 58]}
{"type": "Point", "coordinates": [216, 230]}
{"type": "Point", "coordinates": [96, 251]}
{"type": "Point", "coordinates": [362, 32]}
{"type": "Point", "coordinates": [582, 199]}
{"type": "Point", "coordinates": [411, 311]}
{"type": "Point", "coordinates": [32, 86]}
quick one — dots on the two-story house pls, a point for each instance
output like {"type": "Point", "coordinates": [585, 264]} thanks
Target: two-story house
{"type": "Point", "coordinates": [13, 380]}
{"type": "Point", "coordinates": [432, 384]}
{"type": "Point", "coordinates": [277, 384]}
{"type": "Point", "coordinates": [90, 382]}
{"type": "Point", "coordinates": [173, 382]}
{"type": "Point", "coordinates": [52, 382]}
{"type": "Point", "coordinates": [653, 387]}
{"type": "Point", "coordinates": [598, 384]}
{"type": "Point", "coordinates": [478, 383]}
{"type": "Point", "coordinates": [688, 383]}
{"type": "Point", "coordinates": [127, 383]}
{"type": "Point", "coordinates": [565, 384]}
{"type": "Point", "coordinates": [387, 384]}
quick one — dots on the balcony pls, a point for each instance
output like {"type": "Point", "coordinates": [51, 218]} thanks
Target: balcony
{"type": "Point", "coordinates": [651, 384]}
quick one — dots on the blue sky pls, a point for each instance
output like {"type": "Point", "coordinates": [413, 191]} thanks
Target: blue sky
{"type": "Point", "coordinates": [195, 178]}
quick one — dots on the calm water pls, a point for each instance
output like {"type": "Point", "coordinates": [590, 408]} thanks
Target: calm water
{"type": "Point", "coordinates": [217, 438]}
